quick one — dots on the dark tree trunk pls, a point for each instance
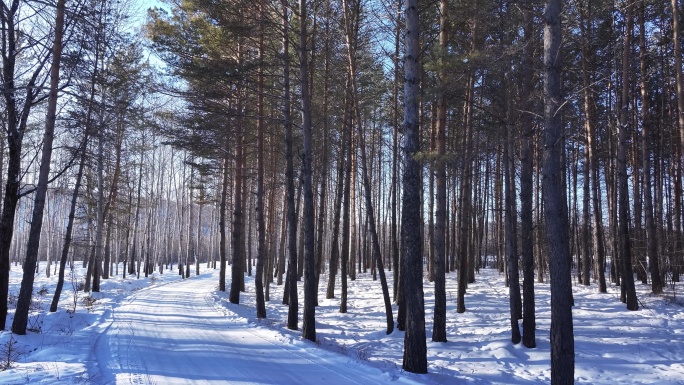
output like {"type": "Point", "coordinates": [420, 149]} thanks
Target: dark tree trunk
{"type": "Point", "coordinates": [335, 244]}
{"type": "Point", "coordinates": [16, 119]}
{"type": "Point", "coordinates": [20, 321]}
{"type": "Point", "coordinates": [651, 238]}
{"type": "Point", "coordinates": [439, 327]}
{"type": "Point", "coordinates": [526, 188]}
{"type": "Point", "coordinates": [591, 163]}
{"type": "Point", "coordinates": [562, 338]}
{"type": "Point", "coordinates": [511, 237]}
{"type": "Point", "coordinates": [344, 261]}
{"type": "Point", "coordinates": [351, 44]}
{"type": "Point", "coordinates": [622, 178]}
{"type": "Point", "coordinates": [237, 270]}
{"type": "Point", "coordinates": [415, 348]}
{"type": "Point", "coordinates": [291, 280]}
{"type": "Point", "coordinates": [322, 211]}
{"type": "Point", "coordinates": [309, 316]}
{"type": "Point", "coordinates": [261, 230]}
{"type": "Point", "coordinates": [676, 38]}
{"type": "Point", "coordinates": [70, 227]}
{"type": "Point", "coordinates": [111, 200]}
{"type": "Point", "coordinates": [394, 241]}
{"type": "Point", "coordinates": [135, 260]}
{"type": "Point", "coordinates": [222, 225]}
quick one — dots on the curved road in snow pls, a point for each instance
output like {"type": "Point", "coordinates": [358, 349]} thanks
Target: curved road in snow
{"type": "Point", "coordinates": [172, 334]}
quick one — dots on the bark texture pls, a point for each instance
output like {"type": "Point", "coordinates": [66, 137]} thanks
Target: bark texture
{"type": "Point", "coordinates": [555, 211]}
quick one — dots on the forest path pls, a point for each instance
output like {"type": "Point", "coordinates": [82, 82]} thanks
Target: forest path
{"type": "Point", "coordinates": [172, 334]}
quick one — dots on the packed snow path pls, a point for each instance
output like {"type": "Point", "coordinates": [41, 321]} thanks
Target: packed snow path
{"type": "Point", "coordinates": [172, 334]}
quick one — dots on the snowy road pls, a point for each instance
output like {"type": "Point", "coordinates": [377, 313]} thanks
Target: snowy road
{"type": "Point", "coordinates": [172, 334]}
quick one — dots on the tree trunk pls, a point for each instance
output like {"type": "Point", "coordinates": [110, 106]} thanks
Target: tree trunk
{"type": "Point", "coordinates": [679, 76]}
{"type": "Point", "coordinates": [394, 241]}
{"type": "Point", "coordinates": [622, 177]}
{"type": "Point", "coordinates": [237, 270]}
{"type": "Point", "coordinates": [351, 45]}
{"type": "Point", "coordinates": [511, 234]}
{"type": "Point", "coordinates": [335, 247]}
{"type": "Point", "coordinates": [439, 327]}
{"type": "Point", "coordinates": [291, 280]}
{"type": "Point", "coordinates": [25, 293]}
{"type": "Point", "coordinates": [651, 241]}
{"type": "Point", "coordinates": [111, 199]}
{"type": "Point", "coordinates": [70, 226]}
{"type": "Point", "coordinates": [324, 164]}
{"type": "Point", "coordinates": [309, 316]}
{"type": "Point", "coordinates": [16, 118]}
{"type": "Point", "coordinates": [134, 258]}
{"type": "Point", "coordinates": [222, 224]}
{"type": "Point", "coordinates": [415, 348]}
{"type": "Point", "coordinates": [562, 339]}
{"type": "Point", "coordinates": [526, 184]}
{"type": "Point", "coordinates": [591, 163]}
{"type": "Point", "coordinates": [344, 261]}
{"type": "Point", "coordinates": [261, 231]}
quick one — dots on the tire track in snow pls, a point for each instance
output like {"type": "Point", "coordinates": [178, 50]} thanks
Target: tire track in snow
{"type": "Point", "coordinates": [173, 334]}
{"type": "Point", "coordinates": [225, 311]}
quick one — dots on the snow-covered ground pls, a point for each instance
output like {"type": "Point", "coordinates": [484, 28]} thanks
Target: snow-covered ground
{"type": "Point", "coordinates": [165, 330]}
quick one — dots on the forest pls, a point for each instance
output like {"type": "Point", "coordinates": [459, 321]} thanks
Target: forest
{"type": "Point", "coordinates": [317, 141]}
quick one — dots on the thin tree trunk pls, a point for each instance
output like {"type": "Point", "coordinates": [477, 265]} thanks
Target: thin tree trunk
{"type": "Point", "coordinates": [335, 247]}
{"type": "Point", "coordinates": [439, 327]}
{"type": "Point", "coordinates": [324, 164]}
{"type": "Point", "coordinates": [526, 191]}
{"type": "Point", "coordinates": [623, 192]}
{"type": "Point", "coordinates": [309, 316]}
{"type": "Point", "coordinates": [351, 45]}
{"type": "Point", "coordinates": [222, 225]}
{"type": "Point", "coordinates": [679, 76]}
{"type": "Point", "coordinates": [651, 241]}
{"type": "Point", "coordinates": [395, 166]}
{"type": "Point", "coordinates": [291, 280]}
{"type": "Point", "coordinates": [511, 234]}
{"type": "Point", "coordinates": [344, 261]}
{"type": "Point", "coordinates": [590, 135]}
{"type": "Point", "coordinates": [70, 226]}
{"type": "Point", "coordinates": [134, 258]}
{"type": "Point", "coordinates": [237, 270]}
{"type": "Point", "coordinates": [261, 231]}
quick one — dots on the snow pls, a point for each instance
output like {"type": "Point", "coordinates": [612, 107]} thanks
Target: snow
{"type": "Point", "coordinates": [166, 330]}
